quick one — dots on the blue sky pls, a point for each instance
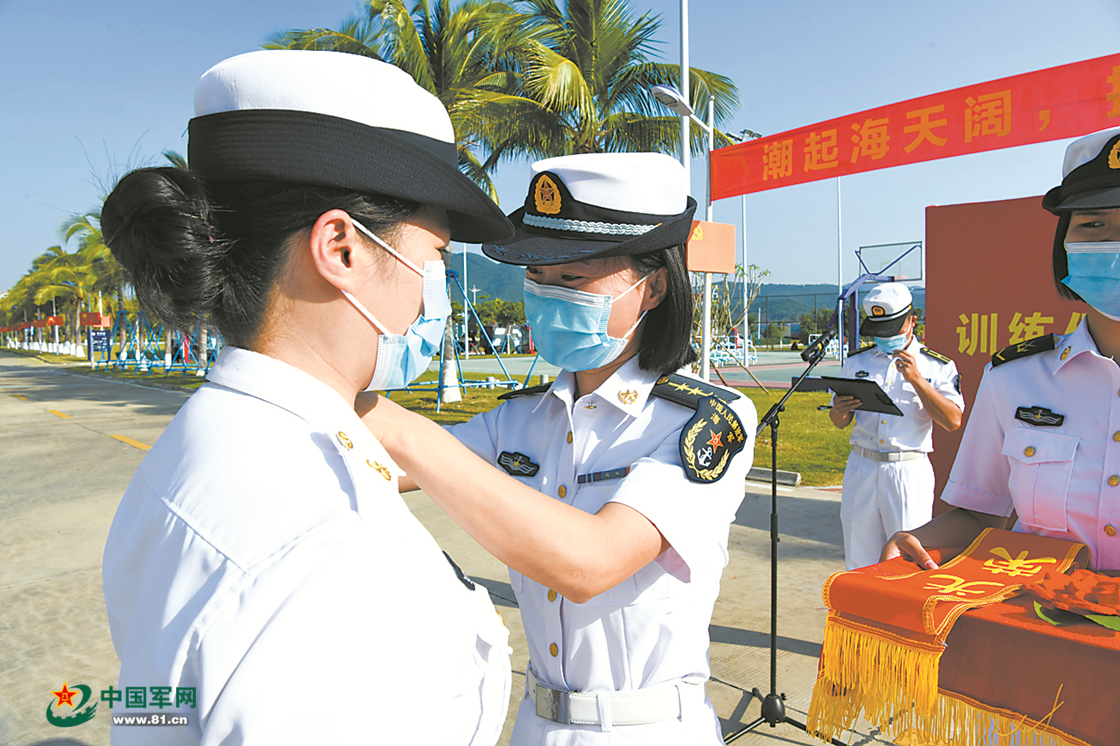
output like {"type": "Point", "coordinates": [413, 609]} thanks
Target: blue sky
{"type": "Point", "coordinates": [92, 89]}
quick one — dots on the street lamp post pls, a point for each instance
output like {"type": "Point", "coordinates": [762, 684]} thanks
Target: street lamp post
{"type": "Point", "coordinates": [672, 98]}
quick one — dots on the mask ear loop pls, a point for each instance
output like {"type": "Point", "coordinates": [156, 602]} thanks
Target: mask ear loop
{"type": "Point", "coordinates": [376, 239]}
{"type": "Point", "coordinates": [634, 328]}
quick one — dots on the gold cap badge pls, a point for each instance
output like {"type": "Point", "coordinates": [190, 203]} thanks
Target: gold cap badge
{"type": "Point", "coordinates": [547, 196]}
{"type": "Point", "coordinates": [877, 311]}
{"type": "Point", "coordinates": [1114, 156]}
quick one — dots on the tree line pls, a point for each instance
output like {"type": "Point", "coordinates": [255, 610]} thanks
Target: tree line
{"type": "Point", "coordinates": [522, 79]}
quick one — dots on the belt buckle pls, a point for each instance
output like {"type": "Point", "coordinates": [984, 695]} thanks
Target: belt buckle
{"type": "Point", "coordinates": [554, 705]}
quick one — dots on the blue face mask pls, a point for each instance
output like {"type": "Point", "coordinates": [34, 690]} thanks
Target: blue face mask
{"type": "Point", "coordinates": [891, 345]}
{"type": "Point", "coordinates": [402, 358]}
{"type": "Point", "coordinates": [1094, 274]}
{"type": "Point", "coordinates": [570, 326]}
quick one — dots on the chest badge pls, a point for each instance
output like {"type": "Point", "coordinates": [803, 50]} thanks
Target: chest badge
{"type": "Point", "coordinates": [629, 396]}
{"type": "Point", "coordinates": [710, 439]}
{"type": "Point", "coordinates": [1039, 417]}
{"type": "Point", "coordinates": [518, 464]}
{"type": "Point", "coordinates": [862, 374]}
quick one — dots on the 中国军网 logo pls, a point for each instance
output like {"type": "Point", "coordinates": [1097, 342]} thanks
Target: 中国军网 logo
{"type": "Point", "coordinates": [64, 713]}
{"type": "Point", "coordinates": [77, 713]}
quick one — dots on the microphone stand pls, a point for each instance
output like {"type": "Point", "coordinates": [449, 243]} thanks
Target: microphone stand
{"type": "Point", "coordinates": [773, 704]}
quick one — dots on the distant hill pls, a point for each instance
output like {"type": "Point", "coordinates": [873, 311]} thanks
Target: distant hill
{"type": "Point", "coordinates": [493, 279]}
{"type": "Point", "coordinates": [779, 303]}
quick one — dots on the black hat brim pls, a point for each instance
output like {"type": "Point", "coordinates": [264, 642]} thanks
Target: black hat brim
{"type": "Point", "coordinates": [541, 247]}
{"type": "Point", "coordinates": [317, 149]}
{"type": "Point", "coordinates": [872, 328]}
{"type": "Point", "coordinates": [1057, 202]}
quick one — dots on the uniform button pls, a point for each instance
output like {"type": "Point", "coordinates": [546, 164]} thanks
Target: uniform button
{"type": "Point", "coordinates": [570, 437]}
{"type": "Point", "coordinates": [562, 491]}
{"type": "Point", "coordinates": [1028, 451]}
{"type": "Point", "coordinates": [1110, 530]}
{"type": "Point", "coordinates": [884, 422]}
{"type": "Point", "coordinates": [344, 439]}
{"type": "Point", "coordinates": [1116, 435]}
{"type": "Point", "coordinates": [1114, 480]}
{"type": "Point", "coordinates": [881, 442]}
{"type": "Point", "coordinates": [554, 650]}
{"type": "Point", "coordinates": [551, 595]}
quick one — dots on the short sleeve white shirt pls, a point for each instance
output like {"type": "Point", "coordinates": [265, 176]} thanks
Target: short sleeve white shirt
{"type": "Point", "coordinates": [875, 431]}
{"type": "Point", "coordinates": [1061, 478]}
{"type": "Point", "coordinates": [653, 627]}
{"type": "Point", "coordinates": [262, 556]}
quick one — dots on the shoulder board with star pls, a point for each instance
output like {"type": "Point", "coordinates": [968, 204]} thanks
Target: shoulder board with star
{"type": "Point", "coordinates": [531, 391]}
{"type": "Point", "coordinates": [715, 433]}
{"type": "Point", "coordinates": [1023, 349]}
{"type": "Point", "coordinates": [865, 348]}
{"type": "Point", "coordinates": [935, 355]}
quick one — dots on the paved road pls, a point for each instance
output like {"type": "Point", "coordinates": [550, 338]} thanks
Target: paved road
{"type": "Point", "coordinates": [70, 443]}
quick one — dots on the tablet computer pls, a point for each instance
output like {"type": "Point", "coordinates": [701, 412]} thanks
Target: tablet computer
{"type": "Point", "coordinates": [871, 396]}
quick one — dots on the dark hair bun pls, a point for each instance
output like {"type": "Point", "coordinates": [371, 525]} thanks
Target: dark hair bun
{"type": "Point", "coordinates": [159, 224]}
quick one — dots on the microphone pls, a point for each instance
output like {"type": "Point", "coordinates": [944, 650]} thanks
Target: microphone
{"type": "Point", "coordinates": [815, 349]}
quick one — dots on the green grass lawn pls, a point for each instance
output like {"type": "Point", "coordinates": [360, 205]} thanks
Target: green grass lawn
{"type": "Point", "coordinates": [807, 442]}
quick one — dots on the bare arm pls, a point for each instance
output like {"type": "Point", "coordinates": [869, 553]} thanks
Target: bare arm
{"type": "Point", "coordinates": [942, 411]}
{"type": "Point", "coordinates": [955, 528]}
{"type": "Point", "coordinates": [577, 554]}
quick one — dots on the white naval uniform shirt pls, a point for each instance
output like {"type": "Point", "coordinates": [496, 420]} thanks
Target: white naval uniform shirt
{"type": "Point", "coordinates": [913, 431]}
{"type": "Point", "coordinates": [262, 555]}
{"type": "Point", "coordinates": [1063, 481]}
{"type": "Point", "coordinates": [653, 627]}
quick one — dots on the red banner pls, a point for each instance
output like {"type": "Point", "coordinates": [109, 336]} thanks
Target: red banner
{"type": "Point", "coordinates": [56, 321]}
{"type": "Point", "coordinates": [94, 319]}
{"type": "Point", "coordinates": [1051, 104]}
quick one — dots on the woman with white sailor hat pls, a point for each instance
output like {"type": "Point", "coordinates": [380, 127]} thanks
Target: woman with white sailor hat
{"type": "Point", "coordinates": [609, 493]}
{"type": "Point", "coordinates": [262, 575]}
{"type": "Point", "coordinates": [1043, 439]}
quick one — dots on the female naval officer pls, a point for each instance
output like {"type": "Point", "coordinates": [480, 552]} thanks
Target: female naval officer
{"type": "Point", "coordinates": [609, 494]}
{"type": "Point", "coordinates": [262, 575]}
{"type": "Point", "coordinates": [1044, 436]}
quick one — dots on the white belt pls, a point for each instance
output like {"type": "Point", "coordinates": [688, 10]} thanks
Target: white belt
{"type": "Point", "coordinates": [889, 456]}
{"type": "Point", "coordinates": [639, 707]}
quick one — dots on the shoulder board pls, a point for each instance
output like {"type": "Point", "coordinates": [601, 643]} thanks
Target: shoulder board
{"type": "Point", "coordinates": [935, 355]}
{"type": "Point", "coordinates": [715, 433]}
{"type": "Point", "coordinates": [1023, 349]}
{"type": "Point", "coordinates": [688, 392]}
{"type": "Point", "coordinates": [865, 348]}
{"type": "Point", "coordinates": [525, 392]}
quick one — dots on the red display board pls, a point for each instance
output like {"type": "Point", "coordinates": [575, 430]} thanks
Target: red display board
{"type": "Point", "coordinates": [1051, 104]}
{"type": "Point", "coordinates": [988, 285]}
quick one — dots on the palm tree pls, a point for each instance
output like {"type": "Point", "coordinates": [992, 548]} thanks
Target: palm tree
{"type": "Point", "coordinates": [589, 69]}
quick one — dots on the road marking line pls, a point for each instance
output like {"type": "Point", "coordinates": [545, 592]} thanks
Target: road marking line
{"type": "Point", "coordinates": [56, 413]}
{"type": "Point", "coordinates": [134, 443]}
{"type": "Point", "coordinates": [20, 396]}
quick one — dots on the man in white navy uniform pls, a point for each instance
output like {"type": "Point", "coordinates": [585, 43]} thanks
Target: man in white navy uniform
{"type": "Point", "coordinates": [888, 481]}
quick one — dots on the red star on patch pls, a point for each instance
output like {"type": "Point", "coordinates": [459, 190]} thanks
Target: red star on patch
{"type": "Point", "coordinates": [65, 697]}
{"type": "Point", "coordinates": [717, 440]}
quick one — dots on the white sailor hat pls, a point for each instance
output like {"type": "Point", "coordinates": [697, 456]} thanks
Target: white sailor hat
{"type": "Point", "coordinates": [1090, 174]}
{"type": "Point", "coordinates": [887, 307]}
{"type": "Point", "coordinates": [337, 120]}
{"type": "Point", "coordinates": [599, 205]}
